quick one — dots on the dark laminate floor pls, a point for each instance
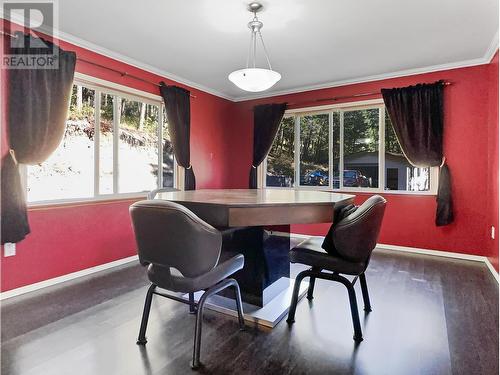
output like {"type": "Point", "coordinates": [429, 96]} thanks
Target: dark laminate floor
{"type": "Point", "coordinates": [430, 316]}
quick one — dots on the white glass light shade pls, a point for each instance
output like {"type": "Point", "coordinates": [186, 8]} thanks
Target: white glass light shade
{"type": "Point", "coordinates": [254, 79]}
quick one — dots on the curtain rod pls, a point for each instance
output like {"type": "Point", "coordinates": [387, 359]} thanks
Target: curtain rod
{"type": "Point", "coordinates": [335, 98]}
{"type": "Point", "coordinates": [122, 73]}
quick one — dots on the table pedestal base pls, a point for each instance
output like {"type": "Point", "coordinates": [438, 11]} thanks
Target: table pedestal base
{"type": "Point", "coordinates": [268, 315]}
{"type": "Point", "coordinates": [266, 262]}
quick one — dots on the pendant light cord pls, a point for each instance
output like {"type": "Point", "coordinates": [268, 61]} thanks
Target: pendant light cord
{"type": "Point", "coordinates": [249, 49]}
{"type": "Point", "coordinates": [252, 49]}
{"type": "Point", "coordinates": [265, 51]}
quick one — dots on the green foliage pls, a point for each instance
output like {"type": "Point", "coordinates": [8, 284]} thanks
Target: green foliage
{"type": "Point", "coordinates": [361, 131]}
{"type": "Point", "coordinates": [280, 166]}
{"type": "Point", "coordinates": [283, 145]}
{"type": "Point", "coordinates": [86, 112]}
{"type": "Point", "coordinates": [106, 107]}
{"type": "Point", "coordinates": [139, 116]}
{"type": "Point", "coordinates": [314, 139]}
{"type": "Point", "coordinates": [361, 134]}
{"type": "Point", "coordinates": [280, 159]}
{"type": "Point", "coordinates": [391, 141]}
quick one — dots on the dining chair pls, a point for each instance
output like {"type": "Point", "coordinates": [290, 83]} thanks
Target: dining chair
{"type": "Point", "coordinates": [353, 239]}
{"type": "Point", "coordinates": [182, 253]}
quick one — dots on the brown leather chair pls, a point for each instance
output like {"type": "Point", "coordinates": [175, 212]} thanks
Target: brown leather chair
{"type": "Point", "coordinates": [182, 254]}
{"type": "Point", "coordinates": [354, 238]}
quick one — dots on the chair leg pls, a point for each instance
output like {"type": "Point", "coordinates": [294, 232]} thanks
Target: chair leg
{"type": "Point", "coordinates": [199, 316]}
{"type": "Point", "coordinates": [312, 281]}
{"type": "Point", "coordinates": [310, 290]}
{"type": "Point", "coordinates": [295, 295]}
{"type": "Point", "coordinates": [364, 290]}
{"type": "Point", "coordinates": [192, 305]}
{"type": "Point", "coordinates": [197, 332]}
{"type": "Point", "coordinates": [358, 335]}
{"type": "Point", "coordinates": [239, 305]}
{"type": "Point", "coordinates": [141, 340]}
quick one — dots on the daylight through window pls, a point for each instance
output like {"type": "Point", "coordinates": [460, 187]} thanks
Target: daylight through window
{"type": "Point", "coordinates": [311, 149]}
{"type": "Point", "coordinates": [129, 152]}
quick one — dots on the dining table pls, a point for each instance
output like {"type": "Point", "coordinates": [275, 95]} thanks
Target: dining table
{"type": "Point", "coordinates": [256, 223]}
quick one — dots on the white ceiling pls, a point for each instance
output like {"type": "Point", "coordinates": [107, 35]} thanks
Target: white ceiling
{"type": "Point", "coordinates": [312, 43]}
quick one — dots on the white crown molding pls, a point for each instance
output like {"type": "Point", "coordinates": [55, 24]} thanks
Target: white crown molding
{"type": "Point", "coordinates": [79, 42]}
{"type": "Point", "coordinates": [485, 59]}
{"type": "Point", "coordinates": [149, 68]}
{"type": "Point", "coordinates": [377, 77]}
{"type": "Point", "coordinates": [492, 49]}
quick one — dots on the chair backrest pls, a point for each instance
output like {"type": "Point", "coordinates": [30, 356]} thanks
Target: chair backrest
{"type": "Point", "coordinates": [356, 235]}
{"type": "Point", "coordinates": [169, 235]}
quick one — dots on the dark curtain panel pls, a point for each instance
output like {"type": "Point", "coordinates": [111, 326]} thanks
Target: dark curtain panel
{"type": "Point", "coordinates": [266, 122]}
{"type": "Point", "coordinates": [178, 107]}
{"type": "Point", "coordinates": [416, 113]}
{"type": "Point", "coordinates": [37, 106]}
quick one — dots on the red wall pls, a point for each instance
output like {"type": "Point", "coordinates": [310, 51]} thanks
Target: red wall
{"type": "Point", "coordinates": [409, 220]}
{"type": "Point", "coordinates": [72, 238]}
{"type": "Point", "coordinates": [492, 248]}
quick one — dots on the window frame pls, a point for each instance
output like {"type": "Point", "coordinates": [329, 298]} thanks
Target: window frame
{"type": "Point", "coordinates": [341, 108]}
{"type": "Point", "coordinates": [100, 87]}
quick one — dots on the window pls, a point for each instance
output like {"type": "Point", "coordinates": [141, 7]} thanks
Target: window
{"type": "Point", "coordinates": [69, 171]}
{"type": "Point", "coordinates": [106, 144]}
{"type": "Point", "coordinates": [129, 152]}
{"type": "Point", "coordinates": [138, 146]}
{"type": "Point", "coordinates": [400, 174]}
{"type": "Point", "coordinates": [168, 155]}
{"type": "Point", "coordinates": [314, 158]}
{"type": "Point", "coordinates": [280, 161]}
{"type": "Point", "coordinates": [311, 148]}
{"type": "Point", "coordinates": [361, 165]}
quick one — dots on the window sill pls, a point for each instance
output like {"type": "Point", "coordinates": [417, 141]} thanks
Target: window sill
{"type": "Point", "coordinates": [389, 192]}
{"type": "Point", "coordinates": [359, 190]}
{"type": "Point", "coordinates": [104, 199]}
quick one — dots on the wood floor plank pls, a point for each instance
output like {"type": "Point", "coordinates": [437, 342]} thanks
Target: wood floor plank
{"type": "Point", "coordinates": [430, 315]}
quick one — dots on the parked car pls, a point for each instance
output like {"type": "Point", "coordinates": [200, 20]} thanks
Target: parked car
{"type": "Point", "coordinates": [352, 178]}
{"type": "Point", "coordinates": [316, 178]}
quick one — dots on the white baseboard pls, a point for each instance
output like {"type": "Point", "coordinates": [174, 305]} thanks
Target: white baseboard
{"type": "Point", "coordinates": [445, 254]}
{"type": "Point", "coordinates": [63, 278]}
{"type": "Point", "coordinates": [119, 262]}
{"type": "Point", "coordinates": [415, 250]}
{"type": "Point", "coordinates": [438, 253]}
{"type": "Point", "coordinates": [491, 268]}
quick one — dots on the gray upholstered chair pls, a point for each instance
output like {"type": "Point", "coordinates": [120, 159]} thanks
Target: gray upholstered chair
{"type": "Point", "coordinates": [354, 238]}
{"type": "Point", "coordinates": [182, 254]}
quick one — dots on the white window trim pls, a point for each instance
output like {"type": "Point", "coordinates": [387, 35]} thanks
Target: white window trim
{"type": "Point", "coordinates": [342, 107]}
{"type": "Point", "coordinates": [101, 86]}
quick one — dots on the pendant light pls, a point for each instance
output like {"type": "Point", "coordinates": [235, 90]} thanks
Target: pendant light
{"type": "Point", "coordinates": [255, 79]}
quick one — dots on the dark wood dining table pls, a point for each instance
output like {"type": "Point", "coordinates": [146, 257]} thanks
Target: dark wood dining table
{"type": "Point", "coordinates": [256, 223]}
